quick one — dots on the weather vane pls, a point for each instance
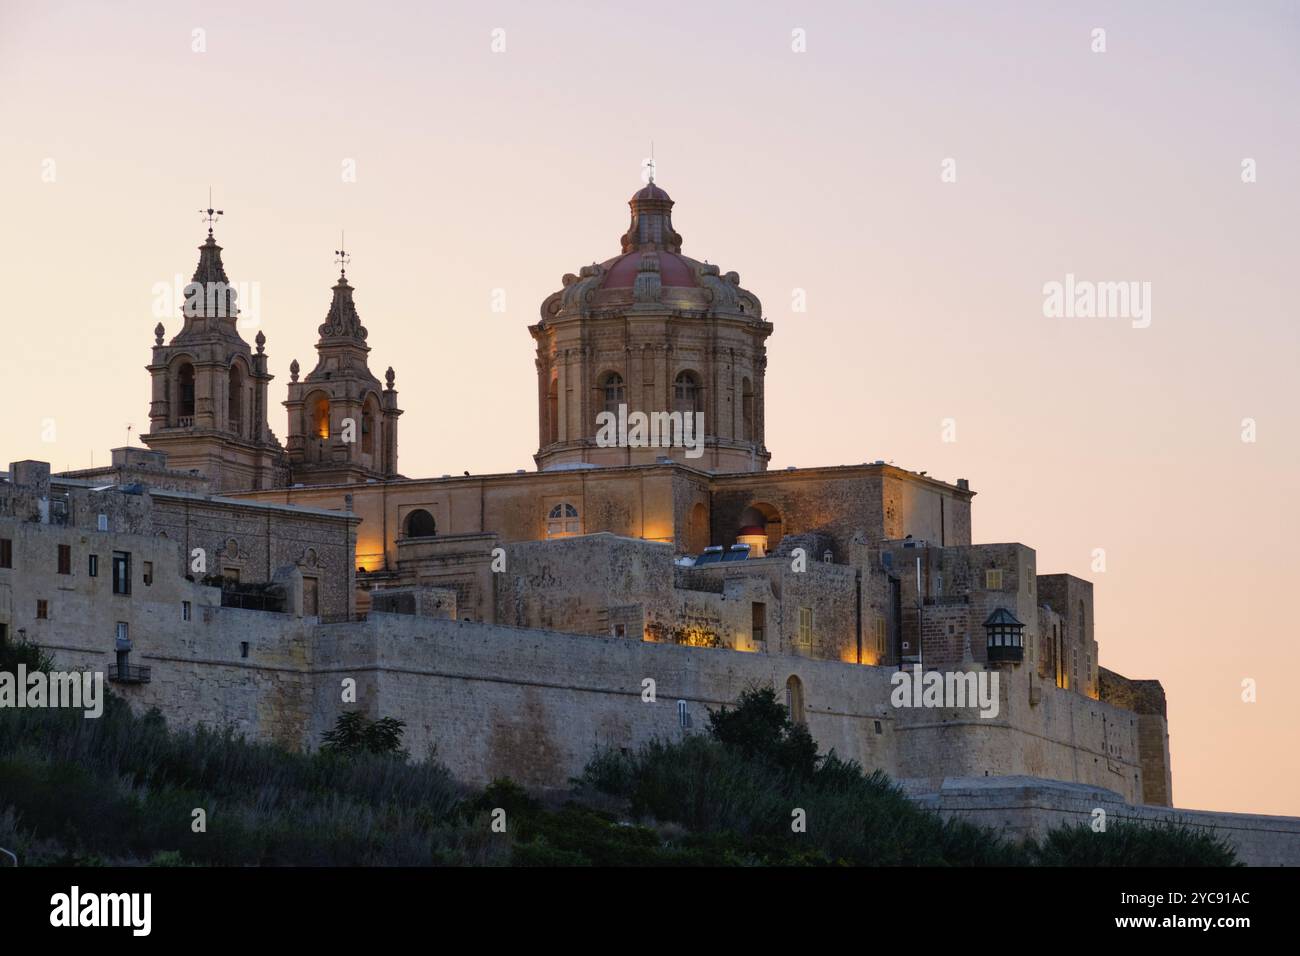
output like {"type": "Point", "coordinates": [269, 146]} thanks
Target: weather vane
{"type": "Point", "coordinates": [341, 256]}
{"type": "Point", "coordinates": [211, 215]}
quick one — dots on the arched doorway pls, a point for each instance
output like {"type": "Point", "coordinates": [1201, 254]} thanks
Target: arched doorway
{"type": "Point", "coordinates": [794, 699]}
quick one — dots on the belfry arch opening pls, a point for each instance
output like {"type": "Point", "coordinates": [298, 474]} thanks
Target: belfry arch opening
{"type": "Point", "coordinates": [316, 426]}
{"type": "Point", "coordinates": [369, 424]}
{"type": "Point", "coordinates": [235, 399]}
{"type": "Point", "coordinates": [319, 409]}
{"type": "Point", "coordinates": [185, 394]}
{"type": "Point", "coordinates": [760, 528]}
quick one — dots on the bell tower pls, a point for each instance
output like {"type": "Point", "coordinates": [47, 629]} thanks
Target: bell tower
{"type": "Point", "coordinates": [209, 411]}
{"type": "Point", "coordinates": [342, 422]}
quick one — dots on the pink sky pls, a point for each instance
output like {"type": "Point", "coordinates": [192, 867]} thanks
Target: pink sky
{"type": "Point", "coordinates": [817, 171]}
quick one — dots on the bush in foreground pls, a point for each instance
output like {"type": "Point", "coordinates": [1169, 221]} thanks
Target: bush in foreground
{"type": "Point", "coordinates": [123, 789]}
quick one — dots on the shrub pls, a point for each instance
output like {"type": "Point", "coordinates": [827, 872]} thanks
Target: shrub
{"type": "Point", "coordinates": [123, 787]}
{"type": "Point", "coordinates": [1169, 843]}
{"type": "Point", "coordinates": [761, 729]}
{"type": "Point", "coordinates": [354, 734]}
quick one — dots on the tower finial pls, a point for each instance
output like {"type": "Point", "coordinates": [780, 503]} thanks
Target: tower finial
{"type": "Point", "coordinates": [210, 215]}
{"type": "Point", "coordinates": [650, 163]}
{"type": "Point", "coordinates": [341, 256]}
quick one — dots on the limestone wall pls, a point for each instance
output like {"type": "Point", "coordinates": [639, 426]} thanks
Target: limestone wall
{"type": "Point", "coordinates": [1064, 736]}
{"type": "Point", "coordinates": [1024, 807]}
{"type": "Point", "coordinates": [537, 704]}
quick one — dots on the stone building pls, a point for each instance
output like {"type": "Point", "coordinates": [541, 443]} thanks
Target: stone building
{"type": "Point", "coordinates": [511, 619]}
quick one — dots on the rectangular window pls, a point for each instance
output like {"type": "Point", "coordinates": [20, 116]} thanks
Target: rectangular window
{"type": "Point", "coordinates": [92, 566]}
{"type": "Point", "coordinates": [42, 610]}
{"type": "Point", "coordinates": [880, 636]}
{"type": "Point", "coordinates": [6, 553]}
{"type": "Point", "coordinates": [758, 621]}
{"type": "Point", "coordinates": [805, 625]}
{"type": "Point", "coordinates": [148, 573]}
{"type": "Point", "coordinates": [121, 572]}
{"type": "Point", "coordinates": [243, 648]}
{"type": "Point", "coordinates": [123, 632]}
{"type": "Point", "coordinates": [103, 522]}
{"type": "Point", "coordinates": [65, 559]}
{"type": "Point", "coordinates": [230, 574]}
{"type": "Point", "coordinates": [185, 610]}
{"type": "Point", "coordinates": [993, 580]}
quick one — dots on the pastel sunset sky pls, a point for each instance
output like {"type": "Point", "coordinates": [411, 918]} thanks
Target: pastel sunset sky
{"type": "Point", "coordinates": [817, 173]}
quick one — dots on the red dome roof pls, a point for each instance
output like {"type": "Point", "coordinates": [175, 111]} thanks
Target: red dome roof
{"type": "Point", "coordinates": [674, 270]}
{"type": "Point", "coordinates": [651, 192]}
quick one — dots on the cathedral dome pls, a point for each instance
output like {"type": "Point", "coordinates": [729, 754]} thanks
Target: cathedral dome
{"type": "Point", "coordinates": [674, 270]}
{"type": "Point", "coordinates": [656, 331]}
{"type": "Point", "coordinates": [650, 272]}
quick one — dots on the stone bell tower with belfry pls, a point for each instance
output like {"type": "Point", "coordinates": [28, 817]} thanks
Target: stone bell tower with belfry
{"type": "Point", "coordinates": [208, 411]}
{"type": "Point", "coordinates": [342, 422]}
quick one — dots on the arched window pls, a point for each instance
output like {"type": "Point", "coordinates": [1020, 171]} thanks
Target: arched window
{"type": "Point", "coordinates": [746, 410]}
{"type": "Point", "coordinates": [320, 416]}
{"type": "Point", "coordinates": [562, 521]}
{"type": "Point", "coordinates": [185, 394]}
{"type": "Point", "coordinates": [420, 524]}
{"type": "Point", "coordinates": [615, 392]}
{"type": "Point", "coordinates": [553, 411]}
{"type": "Point", "coordinates": [686, 392]}
{"type": "Point", "coordinates": [235, 400]}
{"type": "Point", "coordinates": [794, 698]}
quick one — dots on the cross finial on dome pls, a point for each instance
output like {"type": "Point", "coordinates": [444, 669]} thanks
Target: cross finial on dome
{"type": "Point", "coordinates": [341, 256]}
{"type": "Point", "coordinates": [210, 215]}
{"type": "Point", "coordinates": [648, 165]}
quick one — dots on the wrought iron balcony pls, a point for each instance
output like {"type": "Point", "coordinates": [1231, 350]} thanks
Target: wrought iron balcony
{"type": "Point", "coordinates": [129, 674]}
